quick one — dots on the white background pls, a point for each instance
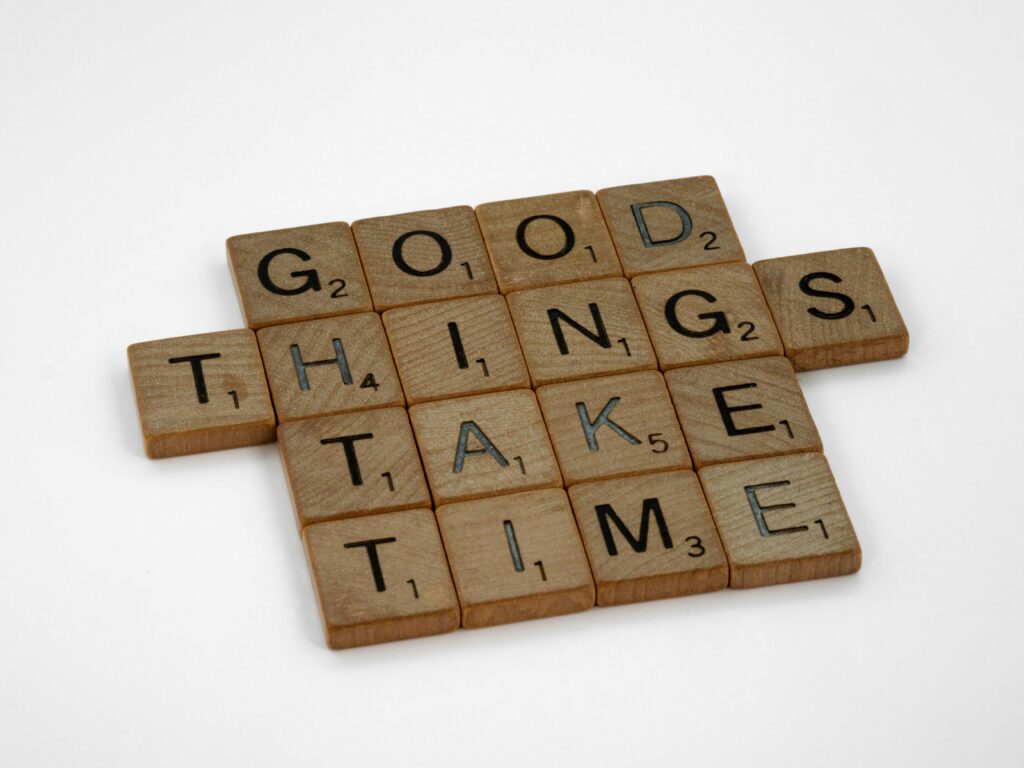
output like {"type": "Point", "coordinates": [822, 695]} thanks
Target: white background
{"type": "Point", "coordinates": [160, 613]}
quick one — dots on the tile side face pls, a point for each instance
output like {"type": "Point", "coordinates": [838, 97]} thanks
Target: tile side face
{"type": "Point", "coordinates": [833, 308]}
{"type": "Point", "coordinates": [381, 578]}
{"type": "Point", "coordinates": [670, 224]}
{"type": "Point", "coordinates": [201, 393]}
{"type": "Point", "coordinates": [649, 537]}
{"type": "Point", "coordinates": [781, 519]}
{"type": "Point", "coordinates": [301, 273]}
{"type": "Point", "coordinates": [515, 558]}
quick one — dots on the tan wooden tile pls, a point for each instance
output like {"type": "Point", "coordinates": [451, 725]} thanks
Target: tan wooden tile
{"type": "Point", "coordinates": [381, 578]}
{"type": "Point", "coordinates": [706, 315]}
{"type": "Point", "coordinates": [352, 464]}
{"type": "Point", "coordinates": [781, 519]}
{"type": "Point", "coordinates": [333, 365]}
{"type": "Point", "coordinates": [742, 410]}
{"type": "Point", "coordinates": [484, 445]}
{"type": "Point", "coordinates": [833, 308]}
{"type": "Point", "coordinates": [412, 258]}
{"type": "Point", "coordinates": [516, 558]}
{"type": "Point", "coordinates": [648, 537]}
{"type": "Point", "coordinates": [669, 224]}
{"type": "Point", "coordinates": [459, 347]}
{"type": "Point", "coordinates": [580, 330]}
{"type": "Point", "coordinates": [613, 426]}
{"type": "Point", "coordinates": [201, 393]}
{"type": "Point", "coordinates": [545, 240]}
{"type": "Point", "coordinates": [297, 274]}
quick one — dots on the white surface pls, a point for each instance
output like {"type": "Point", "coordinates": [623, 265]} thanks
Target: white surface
{"type": "Point", "coordinates": [159, 613]}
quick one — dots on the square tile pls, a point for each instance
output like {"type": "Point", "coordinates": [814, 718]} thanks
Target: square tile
{"type": "Point", "coordinates": [333, 365]}
{"type": "Point", "coordinates": [411, 258]}
{"type": "Point", "coordinates": [201, 393]}
{"type": "Point", "coordinates": [580, 330]}
{"type": "Point", "coordinates": [453, 348]}
{"type": "Point", "coordinates": [706, 315]}
{"type": "Point", "coordinates": [648, 537]}
{"type": "Point", "coordinates": [352, 464]}
{"type": "Point", "coordinates": [781, 519]}
{"type": "Point", "coordinates": [833, 308]}
{"type": "Point", "coordinates": [381, 578]}
{"type": "Point", "coordinates": [516, 558]}
{"type": "Point", "coordinates": [742, 410]}
{"type": "Point", "coordinates": [295, 274]}
{"type": "Point", "coordinates": [484, 445]}
{"type": "Point", "coordinates": [545, 240]}
{"type": "Point", "coordinates": [613, 426]}
{"type": "Point", "coordinates": [669, 224]}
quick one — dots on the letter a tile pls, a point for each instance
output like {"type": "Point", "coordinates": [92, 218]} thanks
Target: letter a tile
{"type": "Point", "coordinates": [649, 537]}
{"type": "Point", "coordinates": [781, 519]}
{"type": "Point", "coordinates": [484, 445]}
{"type": "Point", "coordinates": [352, 464]}
{"type": "Point", "coordinates": [516, 558]}
{"type": "Point", "coordinates": [381, 578]}
{"type": "Point", "coordinates": [201, 393]}
{"type": "Point", "coordinates": [742, 410]}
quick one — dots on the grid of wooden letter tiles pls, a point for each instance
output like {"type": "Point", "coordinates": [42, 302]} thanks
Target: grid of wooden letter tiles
{"type": "Point", "coordinates": [532, 407]}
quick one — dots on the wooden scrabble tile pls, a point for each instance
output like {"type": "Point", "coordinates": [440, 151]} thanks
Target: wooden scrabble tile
{"type": "Point", "coordinates": [484, 445]}
{"type": "Point", "coordinates": [580, 330]}
{"type": "Point", "coordinates": [458, 347]}
{"type": "Point", "coordinates": [536, 241]}
{"type": "Point", "coordinates": [333, 365]}
{"type": "Point", "coordinates": [201, 393]}
{"type": "Point", "coordinates": [381, 578]}
{"type": "Point", "coordinates": [352, 464]}
{"type": "Point", "coordinates": [706, 315]}
{"type": "Point", "coordinates": [613, 426]}
{"type": "Point", "coordinates": [649, 537]}
{"type": "Point", "coordinates": [669, 224]}
{"type": "Point", "coordinates": [742, 410]}
{"type": "Point", "coordinates": [425, 256]}
{"type": "Point", "coordinates": [516, 558]}
{"type": "Point", "coordinates": [297, 274]}
{"type": "Point", "coordinates": [781, 519]}
{"type": "Point", "coordinates": [833, 308]}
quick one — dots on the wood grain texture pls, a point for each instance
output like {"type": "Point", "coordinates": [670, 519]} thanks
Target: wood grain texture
{"type": "Point", "coordinates": [412, 258]}
{"type": "Point", "coordinates": [515, 558]}
{"type": "Point", "coordinates": [611, 337]}
{"type": "Point", "coordinates": [676, 223]}
{"type": "Point", "coordinates": [706, 315]}
{"type": "Point", "coordinates": [381, 578]}
{"type": "Point", "coordinates": [781, 519]}
{"type": "Point", "coordinates": [741, 410]}
{"type": "Point", "coordinates": [201, 393]}
{"type": "Point", "coordinates": [546, 240]}
{"type": "Point", "coordinates": [672, 547]}
{"type": "Point", "coordinates": [613, 426]}
{"type": "Point", "coordinates": [454, 348]}
{"type": "Point", "coordinates": [833, 308]}
{"type": "Point", "coordinates": [370, 464]}
{"type": "Point", "coordinates": [301, 273]}
{"type": "Point", "coordinates": [344, 365]}
{"type": "Point", "coordinates": [505, 447]}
